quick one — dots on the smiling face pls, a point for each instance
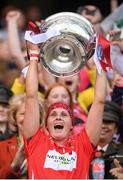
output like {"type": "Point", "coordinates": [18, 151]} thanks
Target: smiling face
{"type": "Point", "coordinates": [107, 131]}
{"type": "Point", "coordinates": [59, 124]}
{"type": "Point", "coordinates": [58, 94]}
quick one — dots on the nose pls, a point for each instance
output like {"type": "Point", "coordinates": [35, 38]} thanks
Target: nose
{"type": "Point", "coordinates": [103, 125]}
{"type": "Point", "coordinates": [60, 99]}
{"type": "Point", "coordinates": [58, 119]}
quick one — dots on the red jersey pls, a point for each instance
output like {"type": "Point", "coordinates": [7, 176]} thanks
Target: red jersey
{"type": "Point", "coordinates": [46, 160]}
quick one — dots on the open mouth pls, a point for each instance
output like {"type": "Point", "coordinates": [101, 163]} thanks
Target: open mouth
{"type": "Point", "coordinates": [69, 83]}
{"type": "Point", "coordinates": [58, 126]}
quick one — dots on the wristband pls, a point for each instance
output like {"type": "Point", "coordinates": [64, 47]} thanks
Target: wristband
{"type": "Point", "coordinates": [34, 55]}
{"type": "Point", "coordinates": [33, 58]}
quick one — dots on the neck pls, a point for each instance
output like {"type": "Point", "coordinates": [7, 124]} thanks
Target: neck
{"type": "Point", "coordinates": [60, 142]}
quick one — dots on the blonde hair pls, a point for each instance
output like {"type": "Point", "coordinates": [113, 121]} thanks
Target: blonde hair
{"type": "Point", "coordinates": [15, 103]}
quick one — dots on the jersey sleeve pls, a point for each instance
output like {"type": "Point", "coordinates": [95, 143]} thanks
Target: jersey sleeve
{"type": "Point", "coordinates": [32, 143]}
{"type": "Point", "coordinates": [86, 143]}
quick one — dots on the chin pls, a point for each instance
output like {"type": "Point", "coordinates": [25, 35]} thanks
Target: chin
{"type": "Point", "coordinates": [102, 137]}
{"type": "Point", "coordinates": [58, 137]}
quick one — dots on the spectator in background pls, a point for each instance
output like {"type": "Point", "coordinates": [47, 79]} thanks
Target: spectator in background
{"type": "Point", "coordinates": [81, 102]}
{"type": "Point", "coordinates": [11, 149]}
{"type": "Point", "coordinates": [12, 156]}
{"type": "Point", "coordinates": [8, 60]}
{"type": "Point", "coordinates": [111, 119]}
{"type": "Point", "coordinates": [117, 97]}
{"type": "Point", "coordinates": [117, 78]}
{"type": "Point", "coordinates": [117, 89]}
{"type": "Point", "coordinates": [93, 14]}
{"type": "Point", "coordinates": [5, 95]}
{"type": "Point", "coordinates": [58, 93]}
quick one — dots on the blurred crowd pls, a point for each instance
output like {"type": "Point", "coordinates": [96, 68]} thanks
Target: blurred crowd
{"type": "Point", "coordinates": [77, 92]}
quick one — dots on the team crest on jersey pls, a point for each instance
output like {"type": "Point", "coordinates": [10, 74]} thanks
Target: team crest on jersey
{"type": "Point", "coordinates": [57, 161]}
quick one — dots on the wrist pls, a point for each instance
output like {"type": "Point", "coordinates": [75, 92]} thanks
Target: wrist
{"type": "Point", "coordinates": [11, 21]}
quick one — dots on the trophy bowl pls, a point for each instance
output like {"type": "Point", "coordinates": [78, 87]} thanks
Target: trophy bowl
{"type": "Point", "coordinates": [66, 53]}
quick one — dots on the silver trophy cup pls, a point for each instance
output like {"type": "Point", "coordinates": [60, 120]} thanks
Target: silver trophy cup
{"type": "Point", "coordinates": [65, 54]}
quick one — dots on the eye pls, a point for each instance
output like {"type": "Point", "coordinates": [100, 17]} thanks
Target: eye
{"type": "Point", "coordinates": [53, 114]}
{"type": "Point", "coordinates": [64, 114]}
{"type": "Point", "coordinates": [54, 96]}
{"type": "Point", "coordinates": [64, 96]}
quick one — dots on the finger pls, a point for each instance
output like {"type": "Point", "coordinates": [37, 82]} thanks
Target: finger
{"type": "Point", "coordinates": [114, 172]}
{"type": "Point", "coordinates": [117, 163]}
{"type": "Point", "coordinates": [115, 31]}
{"type": "Point", "coordinates": [115, 42]}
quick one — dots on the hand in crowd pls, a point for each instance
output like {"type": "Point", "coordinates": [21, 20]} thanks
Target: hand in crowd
{"type": "Point", "coordinates": [14, 20]}
{"type": "Point", "coordinates": [118, 170]}
{"type": "Point", "coordinates": [19, 159]}
{"type": "Point", "coordinates": [13, 16]}
{"type": "Point", "coordinates": [118, 41]}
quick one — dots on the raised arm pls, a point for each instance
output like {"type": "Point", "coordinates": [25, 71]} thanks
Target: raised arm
{"type": "Point", "coordinates": [31, 120]}
{"type": "Point", "coordinates": [13, 36]}
{"type": "Point", "coordinates": [95, 116]}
